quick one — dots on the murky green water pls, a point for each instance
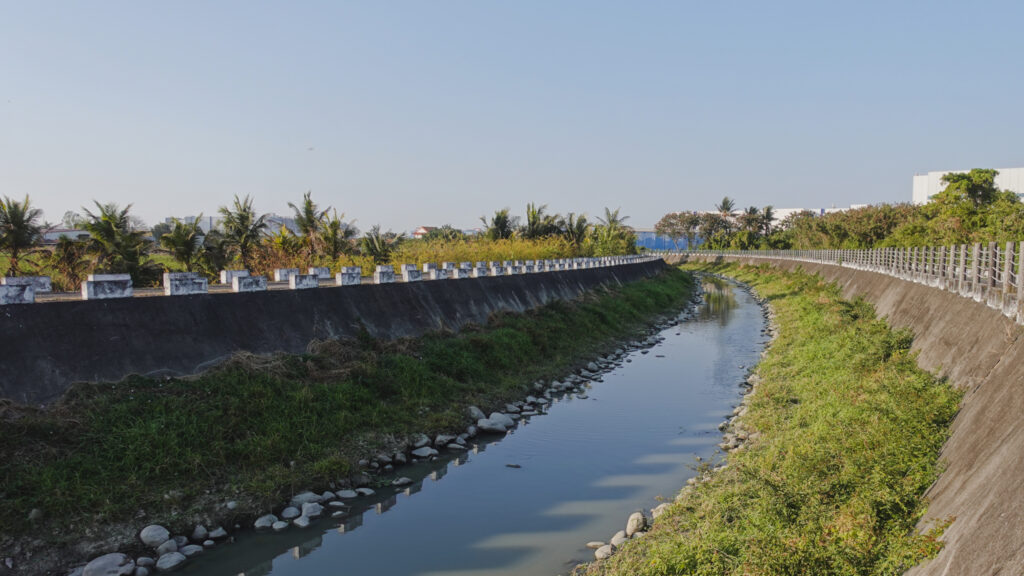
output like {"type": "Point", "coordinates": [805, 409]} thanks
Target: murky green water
{"type": "Point", "coordinates": [582, 469]}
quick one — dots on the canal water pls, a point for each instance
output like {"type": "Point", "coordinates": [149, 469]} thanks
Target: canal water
{"type": "Point", "coordinates": [528, 503]}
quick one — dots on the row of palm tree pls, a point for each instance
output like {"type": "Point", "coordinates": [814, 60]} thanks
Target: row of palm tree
{"type": "Point", "coordinates": [575, 229]}
{"type": "Point", "coordinates": [116, 244]}
{"type": "Point", "coordinates": [725, 227]}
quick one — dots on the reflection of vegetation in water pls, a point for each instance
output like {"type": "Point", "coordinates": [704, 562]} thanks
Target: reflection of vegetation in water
{"type": "Point", "coordinates": [719, 300]}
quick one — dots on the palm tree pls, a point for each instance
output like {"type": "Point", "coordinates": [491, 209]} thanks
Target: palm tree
{"type": "Point", "coordinates": [612, 220]}
{"type": "Point", "coordinates": [338, 235]}
{"type": "Point", "coordinates": [242, 228]}
{"type": "Point", "coordinates": [767, 219]}
{"type": "Point", "coordinates": [116, 246]}
{"type": "Point", "coordinates": [379, 245]}
{"type": "Point", "coordinates": [20, 230]}
{"type": "Point", "coordinates": [726, 206]}
{"type": "Point", "coordinates": [539, 224]}
{"type": "Point", "coordinates": [215, 253]}
{"type": "Point", "coordinates": [575, 229]}
{"type": "Point", "coordinates": [309, 219]}
{"type": "Point", "coordinates": [750, 219]}
{"type": "Point", "coordinates": [69, 263]}
{"type": "Point", "coordinates": [446, 233]}
{"type": "Point", "coordinates": [501, 226]}
{"type": "Point", "coordinates": [183, 242]}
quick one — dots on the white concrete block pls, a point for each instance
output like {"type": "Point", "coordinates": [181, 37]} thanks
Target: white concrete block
{"type": "Point", "coordinates": [17, 294]}
{"type": "Point", "coordinates": [303, 281]}
{"type": "Point", "coordinates": [248, 283]}
{"type": "Point", "coordinates": [227, 275]}
{"type": "Point", "coordinates": [184, 283]}
{"type": "Point", "coordinates": [349, 276]}
{"type": "Point", "coordinates": [480, 271]}
{"type": "Point", "coordinates": [38, 283]}
{"type": "Point", "coordinates": [384, 275]}
{"type": "Point", "coordinates": [106, 277]}
{"type": "Point", "coordinates": [282, 274]}
{"type": "Point", "coordinates": [321, 272]}
{"type": "Point", "coordinates": [410, 273]}
{"type": "Point", "coordinates": [102, 289]}
{"type": "Point", "coordinates": [440, 274]}
{"type": "Point", "coordinates": [498, 271]}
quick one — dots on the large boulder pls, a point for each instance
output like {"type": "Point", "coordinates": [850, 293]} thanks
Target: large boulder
{"type": "Point", "coordinates": [304, 498]}
{"type": "Point", "coordinates": [170, 561]}
{"type": "Point", "coordinates": [502, 419]}
{"type": "Point", "coordinates": [424, 452]}
{"type": "Point", "coordinates": [636, 523]}
{"type": "Point", "coordinates": [154, 535]}
{"type": "Point", "coordinates": [312, 510]}
{"type": "Point", "coordinates": [110, 565]}
{"type": "Point", "coordinates": [264, 522]}
{"type": "Point", "coordinates": [476, 413]}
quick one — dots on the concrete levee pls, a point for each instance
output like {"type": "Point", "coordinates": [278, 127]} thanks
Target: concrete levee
{"type": "Point", "coordinates": [981, 351]}
{"type": "Point", "coordinates": [49, 346]}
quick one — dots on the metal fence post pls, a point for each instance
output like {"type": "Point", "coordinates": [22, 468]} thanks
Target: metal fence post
{"type": "Point", "coordinates": [942, 268]}
{"type": "Point", "coordinates": [1004, 299]}
{"type": "Point", "coordinates": [976, 270]}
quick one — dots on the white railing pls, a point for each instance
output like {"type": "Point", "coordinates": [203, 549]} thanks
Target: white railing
{"type": "Point", "coordinates": [988, 273]}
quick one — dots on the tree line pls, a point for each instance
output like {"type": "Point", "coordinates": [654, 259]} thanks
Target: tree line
{"type": "Point", "coordinates": [971, 208]}
{"type": "Point", "coordinates": [117, 242]}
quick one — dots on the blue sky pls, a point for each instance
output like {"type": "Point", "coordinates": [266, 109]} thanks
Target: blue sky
{"type": "Point", "coordinates": [425, 113]}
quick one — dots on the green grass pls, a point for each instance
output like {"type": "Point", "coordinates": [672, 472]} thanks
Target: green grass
{"type": "Point", "coordinates": [262, 427]}
{"type": "Point", "coordinates": [850, 432]}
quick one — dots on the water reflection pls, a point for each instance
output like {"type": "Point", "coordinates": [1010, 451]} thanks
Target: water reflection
{"type": "Point", "coordinates": [576, 475]}
{"type": "Point", "coordinates": [719, 299]}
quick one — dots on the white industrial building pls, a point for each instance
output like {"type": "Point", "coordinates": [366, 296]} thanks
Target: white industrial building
{"type": "Point", "coordinates": [930, 184]}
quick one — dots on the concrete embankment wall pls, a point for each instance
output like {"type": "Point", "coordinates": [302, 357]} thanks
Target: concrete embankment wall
{"type": "Point", "coordinates": [46, 347]}
{"type": "Point", "coordinates": [981, 351]}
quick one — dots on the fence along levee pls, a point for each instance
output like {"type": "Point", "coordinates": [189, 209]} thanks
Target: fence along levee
{"type": "Point", "coordinates": [987, 273]}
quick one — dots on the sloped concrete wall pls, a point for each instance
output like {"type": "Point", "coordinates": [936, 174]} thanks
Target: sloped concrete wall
{"type": "Point", "coordinates": [981, 351]}
{"type": "Point", "coordinates": [45, 347]}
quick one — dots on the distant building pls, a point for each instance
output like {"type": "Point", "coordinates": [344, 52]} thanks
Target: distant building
{"type": "Point", "coordinates": [930, 184]}
{"type": "Point", "coordinates": [206, 223]}
{"type": "Point", "coordinates": [51, 235]}
{"type": "Point", "coordinates": [648, 238]}
{"type": "Point", "coordinates": [423, 231]}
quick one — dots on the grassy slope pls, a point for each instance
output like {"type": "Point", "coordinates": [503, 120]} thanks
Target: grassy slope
{"type": "Point", "coordinates": [265, 426]}
{"type": "Point", "coordinates": [850, 432]}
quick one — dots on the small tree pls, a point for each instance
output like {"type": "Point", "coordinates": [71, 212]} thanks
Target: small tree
{"type": "Point", "coordinates": [575, 230]}
{"type": "Point", "coordinates": [69, 263]}
{"type": "Point", "coordinates": [117, 247]}
{"type": "Point", "coordinates": [309, 219]}
{"type": "Point", "coordinates": [380, 245]}
{"type": "Point", "coordinates": [183, 242]}
{"type": "Point", "coordinates": [501, 226]}
{"type": "Point", "coordinates": [672, 227]}
{"type": "Point", "coordinates": [978, 186]}
{"type": "Point", "coordinates": [538, 223]}
{"type": "Point", "coordinates": [338, 236]}
{"type": "Point", "coordinates": [20, 230]}
{"type": "Point", "coordinates": [243, 229]}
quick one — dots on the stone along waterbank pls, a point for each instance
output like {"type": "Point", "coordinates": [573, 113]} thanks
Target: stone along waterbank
{"type": "Point", "coordinates": [147, 448]}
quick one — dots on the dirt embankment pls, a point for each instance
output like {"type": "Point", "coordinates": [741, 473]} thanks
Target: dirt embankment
{"type": "Point", "coordinates": [981, 351]}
